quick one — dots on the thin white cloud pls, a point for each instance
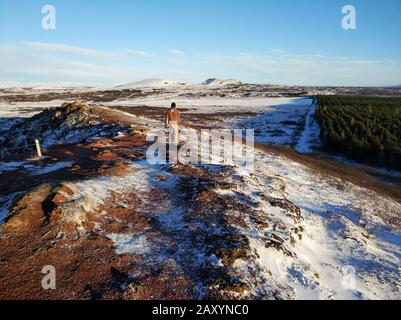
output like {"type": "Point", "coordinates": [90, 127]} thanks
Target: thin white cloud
{"type": "Point", "coordinates": [311, 69]}
{"type": "Point", "coordinates": [63, 48]}
{"type": "Point", "coordinates": [177, 52]}
{"type": "Point", "coordinates": [32, 66]}
{"type": "Point", "coordinates": [140, 54]}
{"type": "Point", "coordinates": [17, 63]}
{"type": "Point", "coordinates": [63, 69]}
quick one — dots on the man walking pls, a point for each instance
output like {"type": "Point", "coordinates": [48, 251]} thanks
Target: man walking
{"type": "Point", "coordinates": [173, 120]}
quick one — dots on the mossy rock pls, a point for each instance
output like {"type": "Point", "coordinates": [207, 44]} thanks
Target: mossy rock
{"type": "Point", "coordinates": [229, 255]}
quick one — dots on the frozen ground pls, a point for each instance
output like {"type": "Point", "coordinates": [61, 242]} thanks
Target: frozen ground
{"type": "Point", "coordinates": [13, 113]}
{"type": "Point", "coordinates": [344, 247]}
{"type": "Point", "coordinates": [26, 109]}
{"type": "Point", "coordinates": [348, 249]}
{"type": "Point", "coordinates": [205, 105]}
{"type": "Point", "coordinates": [275, 120]}
{"type": "Point", "coordinates": [343, 244]}
{"type": "Point", "coordinates": [32, 167]}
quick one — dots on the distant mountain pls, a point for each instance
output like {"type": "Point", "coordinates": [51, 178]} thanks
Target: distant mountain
{"type": "Point", "coordinates": [219, 82]}
{"type": "Point", "coordinates": [42, 85]}
{"type": "Point", "coordinates": [150, 83]}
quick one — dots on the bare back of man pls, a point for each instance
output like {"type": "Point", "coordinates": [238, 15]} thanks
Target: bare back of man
{"type": "Point", "coordinates": [173, 120]}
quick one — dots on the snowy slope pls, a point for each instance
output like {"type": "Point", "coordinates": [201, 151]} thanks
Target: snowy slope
{"type": "Point", "coordinates": [214, 82]}
{"type": "Point", "coordinates": [345, 247]}
{"type": "Point", "coordinates": [347, 250]}
{"type": "Point", "coordinates": [150, 83]}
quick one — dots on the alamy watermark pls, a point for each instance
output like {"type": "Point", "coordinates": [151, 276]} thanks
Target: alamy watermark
{"type": "Point", "coordinates": [216, 146]}
{"type": "Point", "coordinates": [49, 17]}
{"type": "Point", "coordinates": [49, 280]}
{"type": "Point", "coordinates": [348, 21]}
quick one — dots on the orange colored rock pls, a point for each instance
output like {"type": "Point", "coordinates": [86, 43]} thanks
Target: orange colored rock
{"type": "Point", "coordinates": [59, 198]}
{"type": "Point", "coordinates": [27, 214]}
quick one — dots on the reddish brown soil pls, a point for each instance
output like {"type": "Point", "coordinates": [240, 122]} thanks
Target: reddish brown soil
{"type": "Point", "coordinates": [36, 233]}
{"type": "Point", "coordinates": [87, 267]}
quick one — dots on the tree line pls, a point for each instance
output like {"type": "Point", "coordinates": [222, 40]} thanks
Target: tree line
{"type": "Point", "coordinates": [365, 129]}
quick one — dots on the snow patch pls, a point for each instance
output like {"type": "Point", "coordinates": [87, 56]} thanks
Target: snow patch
{"type": "Point", "coordinates": [213, 82]}
{"type": "Point", "coordinates": [51, 168]}
{"type": "Point", "coordinates": [5, 204]}
{"type": "Point", "coordinates": [128, 244]}
{"type": "Point", "coordinates": [150, 83]}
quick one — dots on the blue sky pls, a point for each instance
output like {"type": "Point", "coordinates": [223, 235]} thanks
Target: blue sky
{"type": "Point", "coordinates": [278, 41]}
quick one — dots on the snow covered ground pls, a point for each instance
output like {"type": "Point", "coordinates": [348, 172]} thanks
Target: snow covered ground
{"type": "Point", "coordinates": [276, 120]}
{"type": "Point", "coordinates": [348, 250]}
{"type": "Point", "coordinates": [32, 167]}
{"type": "Point", "coordinates": [149, 83]}
{"type": "Point", "coordinates": [205, 105]}
{"type": "Point", "coordinates": [26, 109]}
{"type": "Point", "coordinates": [12, 113]}
{"type": "Point", "coordinates": [346, 247]}
{"type": "Point", "coordinates": [280, 123]}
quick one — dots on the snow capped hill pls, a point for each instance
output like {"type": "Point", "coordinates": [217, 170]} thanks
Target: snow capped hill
{"type": "Point", "coordinates": [28, 86]}
{"type": "Point", "coordinates": [160, 83]}
{"type": "Point", "coordinates": [219, 82]}
{"type": "Point", "coordinates": [151, 83]}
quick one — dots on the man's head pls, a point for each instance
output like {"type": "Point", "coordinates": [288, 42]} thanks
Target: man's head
{"type": "Point", "coordinates": [173, 105]}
